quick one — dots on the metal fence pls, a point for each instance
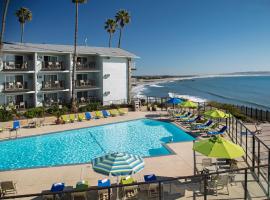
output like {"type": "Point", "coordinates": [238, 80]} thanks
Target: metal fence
{"type": "Point", "coordinates": [242, 185]}
{"type": "Point", "coordinates": [255, 113]}
{"type": "Point", "coordinates": [257, 152]}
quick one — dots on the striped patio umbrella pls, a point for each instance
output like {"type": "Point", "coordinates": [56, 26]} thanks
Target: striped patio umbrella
{"type": "Point", "coordinates": [118, 164]}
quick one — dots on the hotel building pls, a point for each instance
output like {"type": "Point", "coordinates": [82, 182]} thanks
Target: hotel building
{"type": "Point", "coordinates": [33, 75]}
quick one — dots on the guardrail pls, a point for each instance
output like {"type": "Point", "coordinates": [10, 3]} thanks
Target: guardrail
{"type": "Point", "coordinates": [255, 113]}
{"type": "Point", "coordinates": [199, 184]}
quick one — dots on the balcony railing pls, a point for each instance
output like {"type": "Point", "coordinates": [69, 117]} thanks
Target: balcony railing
{"type": "Point", "coordinates": [53, 102]}
{"type": "Point", "coordinates": [18, 105]}
{"type": "Point", "coordinates": [86, 66]}
{"type": "Point", "coordinates": [15, 86]}
{"type": "Point", "coordinates": [16, 66]}
{"type": "Point", "coordinates": [86, 100]}
{"type": "Point", "coordinates": [85, 84]}
{"type": "Point", "coordinates": [53, 85]}
{"type": "Point", "coordinates": [52, 66]}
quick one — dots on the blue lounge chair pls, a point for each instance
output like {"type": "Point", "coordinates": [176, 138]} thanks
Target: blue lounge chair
{"type": "Point", "coordinates": [150, 177]}
{"type": "Point", "coordinates": [221, 131]}
{"type": "Point", "coordinates": [106, 113]}
{"type": "Point", "coordinates": [16, 125]}
{"type": "Point", "coordinates": [203, 125]}
{"type": "Point", "coordinates": [88, 116]}
{"type": "Point", "coordinates": [192, 119]}
{"type": "Point", "coordinates": [57, 187]}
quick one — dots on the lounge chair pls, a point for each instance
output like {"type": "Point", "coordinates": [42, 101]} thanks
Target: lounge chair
{"type": "Point", "coordinates": [8, 187]}
{"type": "Point", "coordinates": [187, 118]}
{"type": "Point", "coordinates": [194, 119]}
{"type": "Point", "coordinates": [103, 194]}
{"type": "Point", "coordinates": [199, 127]}
{"type": "Point", "coordinates": [121, 111]}
{"type": "Point", "coordinates": [114, 112]}
{"type": "Point", "coordinates": [88, 116]}
{"type": "Point", "coordinates": [16, 125]}
{"type": "Point", "coordinates": [152, 187]}
{"type": "Point", "coordinates": [56, 187]}
{"type": "Point", "coordinates": [72, 118]}
{"type": "Point", "coordinates": [80, 186]}
{"type": "Point", "coordinates": [106, 113]}
{"type": "Point", "coordinates": [175, 114]}
{"type": "Point", "coordinates": [65, 119]}
{"type": "Point", "coordinates": [183, 116]}
{"type": "Point", "coordinates": [206, 162]}
{"type": "Point", "coordinates": [32, 123]}
{"type": "Point", "coordinates": [99, 114]}
{"type": "Point", "coordinates": [130, 192]}
{"type": "Point", "coordinates": [81, 117]}
{"type": "Point", "coordinates": [221, 131]}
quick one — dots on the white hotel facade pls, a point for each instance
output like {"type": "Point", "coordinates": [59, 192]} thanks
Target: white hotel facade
{"type": "Point", "coordinates": [33, 75]}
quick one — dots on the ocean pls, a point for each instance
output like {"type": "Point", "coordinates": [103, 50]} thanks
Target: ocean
{"type": "Point", "coordinates": [251, 91]}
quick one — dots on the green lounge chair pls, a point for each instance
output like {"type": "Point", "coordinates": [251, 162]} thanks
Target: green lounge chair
{"type": "Point", "coordinates": [72, 118]}
{"type": "Point", "coordinates": [98, 114]}
{"type": "Point", "coordinates": [122, 112]}
{"type": "Point", "coordinates": [114, 112]}
{"type": "Point", "coordinates": [65, 119]}
{"type": "Point", "coordinates": [81, 117]}
{"type": "Point", "coordinates": [187, 118]}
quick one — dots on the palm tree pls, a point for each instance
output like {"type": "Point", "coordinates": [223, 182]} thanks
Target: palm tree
{"type": "Point", "coordinates": [24, 15]}
{"type": "Point", "coordinates": [3, 24]}
{"type": "Point", "coordinates": [122, 18]}
{"type": "Point", "coordinates": [73, 99]}
{"type": "Point", "coordinates": [110, 27]}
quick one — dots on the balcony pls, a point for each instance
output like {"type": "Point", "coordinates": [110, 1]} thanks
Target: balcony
{"type": "Point", "coordinates": [82, 84]}
{"type": "Point", "coordinates": [87, 99]}
{"type": "Point", "coordinates": [19, 105]}
{"type": "Point", "coordinates": [53, 102]}
{"type": "Point", "coordinates": [52, 66]}
{"type": "Point", "coordinates": [16, 87]}
{"type": "Point", "coordinates": [53, 85]}
{"type": "Point", "coordinates": [16, 66]}
{"type": "Point", "coordinates": [86, 66]}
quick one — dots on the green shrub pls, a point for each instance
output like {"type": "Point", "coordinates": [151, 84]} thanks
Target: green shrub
{"type": "Point", "coordinates": [5, 115]}
{"type": "Point", "coordinates": [56, 111]}
{"type": "Point", "coordinates": [35, 112]}
{"type": "Point", "coordinates": [90, 107]}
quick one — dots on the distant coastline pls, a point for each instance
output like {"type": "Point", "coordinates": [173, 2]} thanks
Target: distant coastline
{"type": "Point", "coordinates": [141, 83]}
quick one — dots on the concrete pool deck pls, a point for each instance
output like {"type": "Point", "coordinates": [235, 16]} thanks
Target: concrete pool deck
{"type": "Point", "coordinates": [39, 179]}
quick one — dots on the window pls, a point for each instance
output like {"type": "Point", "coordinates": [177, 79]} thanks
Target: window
{"type": "Point", "coordinates": [50, 78]}
{"type": "Point", "coordinates": [82, 60]}
{"type": "Point", "coordinates": [81, 76]}
{"type": "Point", "coordinates": [50, 58]}
{"type": "Point", "coordinates": [50, 97]}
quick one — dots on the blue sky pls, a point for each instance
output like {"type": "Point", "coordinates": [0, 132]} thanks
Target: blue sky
{"type": "Point", "coordinates": [171, 37]}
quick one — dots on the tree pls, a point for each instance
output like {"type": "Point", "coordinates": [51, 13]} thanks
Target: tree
{"type": "Point", "coordinates": [73, 98]}
{"type": "Point", "coordinates": [110, 27]}
{"type": "Point", "coordinates": [3, 26]}
{"type": "Point", "coordinates": [122, 18]}
{"type": "Point", "coordinates": [24, 15]}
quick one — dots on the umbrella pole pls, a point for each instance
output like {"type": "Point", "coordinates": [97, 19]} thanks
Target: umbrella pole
{"type": "Point", "coordinates": [117, 192]}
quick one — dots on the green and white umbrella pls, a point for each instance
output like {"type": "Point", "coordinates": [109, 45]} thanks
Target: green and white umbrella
{"type": "Point", "coordinates": [118, 164]}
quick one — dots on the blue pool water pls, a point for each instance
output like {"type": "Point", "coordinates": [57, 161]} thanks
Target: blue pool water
{"type": "Point", "coordinates": [142, 137]}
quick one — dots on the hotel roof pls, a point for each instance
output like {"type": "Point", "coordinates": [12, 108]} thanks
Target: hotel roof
{"type": "Point", "coordinates": [57, 48]}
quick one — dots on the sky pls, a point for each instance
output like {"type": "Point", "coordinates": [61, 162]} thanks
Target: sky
{"type": "Point", "coordinates": [174, 37]}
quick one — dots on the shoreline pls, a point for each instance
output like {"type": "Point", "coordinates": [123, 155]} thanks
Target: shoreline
{"type": "Point", "coordinates": [141, 85]}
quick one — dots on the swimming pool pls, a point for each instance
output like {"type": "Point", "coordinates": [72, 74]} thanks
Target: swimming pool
{"type": "Point", "coordinates": [142, 137]}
